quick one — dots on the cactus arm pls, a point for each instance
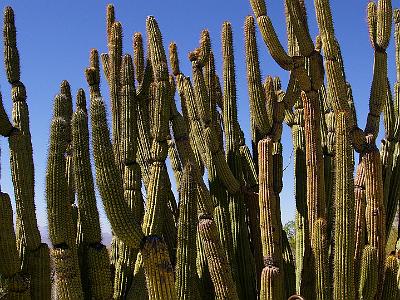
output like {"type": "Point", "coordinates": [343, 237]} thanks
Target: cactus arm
{"type": "Point", "coordinates": [262, 124]}
{"type": "Point", "coordinates": [115, 62]}
{"type": "Point", "coordinates": [109, 180]}
{"type": "Point", "coordinates": [59, 210]}
{"type": "Point", "coordinates": [360, 229]}
{"type": "Point", "coordinates": [13, 284]}
{"type": "Point", "coordinates": [68, 283]}
{"type": "Point", "coordinates": [320, 244]}
{"type": "Point", "coordinates": [21, 160]}
{"type": "Point", "coordinates": [186, 247]}
{"type": "Point", "coordinates": [245, 282]}
{"type": "Point", "coordinates": [95, 273]}
{"type": "Point", "coordinates": [274, 45]}
{"type": "Point", "coordinates": [34, 255]}
{"type": "Point", "coordinates": [270, 234]}
{"type": "Point", "coordinates": [368, 275]}
{"type": "Point", "coordinates": [299, 23]}
{"type": "Point", "coordinates": [315, 186]}
{"type": "Point", "coordinates": [10, 263]}
{"type": "Point", "coordinates": [390, 288]}
{"type": "Point", "coordinates": [5, 124]}
{"type": "Point", "coordinates": [218, 265]}
{"type": "Point", "coordinates": [375, 213]}
{"type": "Point", "coordinates": [176, 163]}
{"type": "Point", "coordinates": [343, 275]}
{"type": "Point", "coordinates": [217, 154]}
{"type": "Point", "coordinates": [138, 56]}
{"type": "Point", "coordinates": [89, 216]}
{"type": "Point", "coordinates": [335, 78]}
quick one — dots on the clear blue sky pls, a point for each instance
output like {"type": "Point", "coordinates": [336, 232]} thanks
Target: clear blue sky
{"type": "Point", "coordinates": [54, 39]}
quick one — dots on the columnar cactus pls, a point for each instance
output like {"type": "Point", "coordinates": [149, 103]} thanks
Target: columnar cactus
{"type": "Point", "coordinates": [219, 241]}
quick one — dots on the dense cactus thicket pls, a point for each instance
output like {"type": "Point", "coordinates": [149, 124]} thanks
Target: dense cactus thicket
{"type": "Point", "coordinates": [222, 239]}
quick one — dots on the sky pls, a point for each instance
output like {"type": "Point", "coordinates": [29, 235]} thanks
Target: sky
{"type": "Point", "coordinates": [54, 39]}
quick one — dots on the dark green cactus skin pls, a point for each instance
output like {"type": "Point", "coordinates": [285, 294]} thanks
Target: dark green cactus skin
{"type": "Point", "coordinates": [12, 283]}
{"type": "Point", "coordinates": [185, 282]}
{"type": "Point", "coordinates": [390, 285]}
{"type": "Point", "coordinates": [5, 124]}
{"type": "Point", "coordinates": [21, 161]}
{"type": "Point", "coordinates": [392, 192]}
{"type": "Point", "coordinates": [255, 234]}
{"type": "Point", "coordinates": [245, 273]}
{"type": "Point", "coordinates": [206, 285]}
{"type": "Point", "coordinates": [368, 275]}
{"type": "Point", "coordinates": [288, 267]}
{"type": "Point", "coordinates": [271, 287]}
{"type": "Point", "coordinates": [138, 289]}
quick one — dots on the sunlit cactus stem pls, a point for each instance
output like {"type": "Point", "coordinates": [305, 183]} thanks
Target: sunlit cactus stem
{"type": "Point", "coordinates": [343, 275]}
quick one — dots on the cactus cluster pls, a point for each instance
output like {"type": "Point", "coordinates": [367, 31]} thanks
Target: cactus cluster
{"type": "Point", "coordinates": [223, 239]}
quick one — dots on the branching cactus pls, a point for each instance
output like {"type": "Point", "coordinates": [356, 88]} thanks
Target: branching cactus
{"type": "Point", "coordinates": [34, 256]}
{"type": "Point", "coordinates": [219, 242]}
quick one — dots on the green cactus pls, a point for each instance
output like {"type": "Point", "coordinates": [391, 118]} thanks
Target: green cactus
{"type": "Point", "coordinates": [238, 249]}
{"type": "Point", "coordinates": [320, 242]}
{"type": "Point", "coordinates": [12, 282]}
{"type": "Point", "coordinates": [185, 282]}
{"type": "Point", "coordinates": [109, 179]}
{"type": "Point", "coordinates": [390, 289]}
{"type": "Point", "coordinates": [368, 275]}
{"type": "Point", "coordinates": [218, 265]}
{"type": "Point", "coordinates": [343, 275]}
{"type": "Point", "coordinates": [95, 272]}
{"type": "Point", "coordinates": [158, 269]}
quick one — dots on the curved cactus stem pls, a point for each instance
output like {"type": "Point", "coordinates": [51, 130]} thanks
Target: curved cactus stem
{"type": "Point", "coordinates": [109, 179]}
{"type": "Point", "coordinates": [218, 265]}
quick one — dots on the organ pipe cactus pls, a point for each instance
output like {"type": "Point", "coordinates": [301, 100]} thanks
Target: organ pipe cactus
{"type": "Point", "coordinates": [34, 255]}
{"type": "Point", "coordinates": [219, 241]}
